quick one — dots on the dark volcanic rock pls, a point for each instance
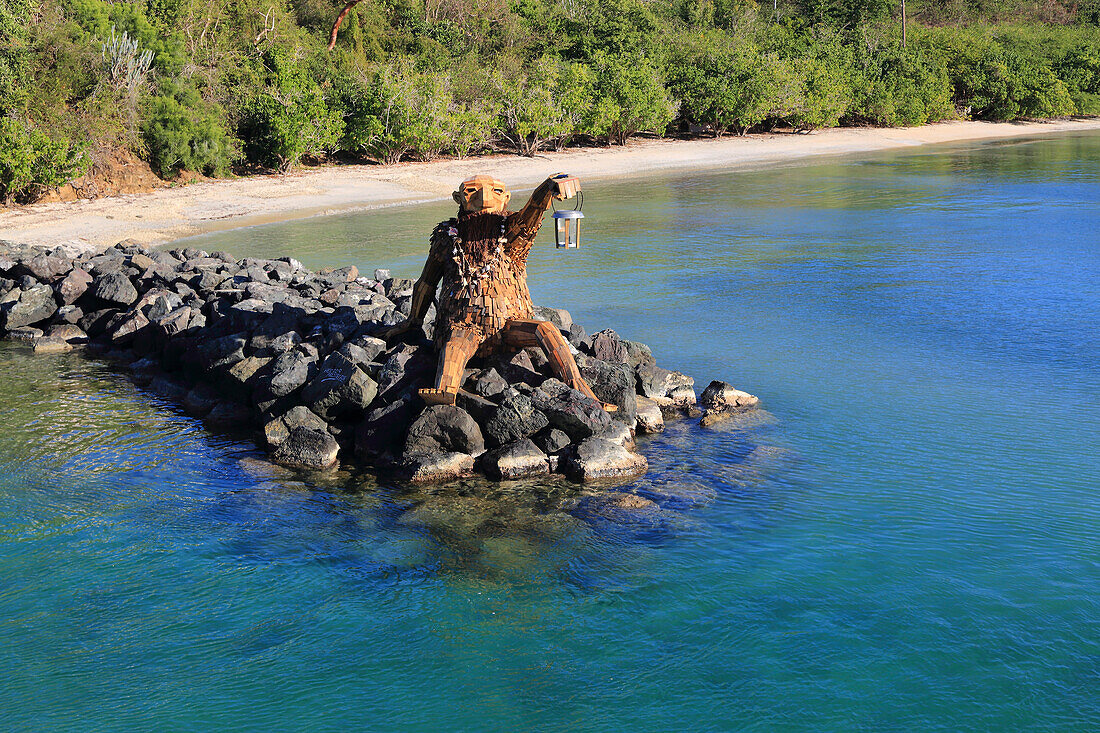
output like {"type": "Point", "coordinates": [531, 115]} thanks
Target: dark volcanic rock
{"type": "Point", "coordinates": [723, 396]}
{"type": "Point", "coordinates": [74, 285]}
{"type": "Point", "coordinates": [201, 400]}
{"type": "Point", "coordinates": [279, 429]}
{"type": "Point", "coordinates": [34, 305]}
{"type": "Point", "coordinates": [406, 368]}
{"type": "Point", "coordinates": [480, 408]}
{"type": "Point", "coordinates": [114, 289]}
{"type": "Point", "coordinates": [285, 374]}
{"type": "Point", "coordinates": [515, 418]}
{"type": "Point", "coordinates": [613, 383]}
{"type": "Point", "coordinates": [229, 414]}
{"type": "Point", "coordinates": [607, 346]}
{"type": "Point", "coordinates": [382, 432]}
{"type": "Point", "coordinates": [443, 429]}
{"type": "Point", "coordinates": [599, 458]}
{"type": "Point", "coordinates": [306, 448]}
{"type": "Point", "coordinates": [572, 412]}
{"type": "Point", "coordinates": [521, 459]}
{"type": "Point", "coordinates": [340, 388]}
{"type": "Point", "coordinates": [488, 383]}
{"type": "Point", "coordinates": [551, 440]}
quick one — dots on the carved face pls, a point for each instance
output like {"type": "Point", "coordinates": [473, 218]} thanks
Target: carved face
{"type": "Point", "coordinates": [482, 194]}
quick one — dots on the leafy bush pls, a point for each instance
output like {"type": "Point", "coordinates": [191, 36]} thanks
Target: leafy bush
{"type": "Point", "coordinates": [902, 87]}
{"type": "Point", "coordinates": [101, 20]}
{"type": "Point", "coordinates": [181, 132]}
{"type": "Point", "coordinates": [720, 84]}
{"type": "Point", "coordinates": [30, 161]}
{"type": "Point", "coordinates": [15, 26]}
{"type": "Point", "coordinates": [1079, 69]}
{"type": "Point", "coordinates": [400, 112]}
{"type": "Point", "coordinates": [630, 97]}
{"type": "Point", "coordinates": [288, 118]}
{"type": "Point", "coordinates": [995, 83]}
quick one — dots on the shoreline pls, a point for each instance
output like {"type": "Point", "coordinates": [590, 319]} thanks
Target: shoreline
{"type": "Point", "coordinates": [169, 214]}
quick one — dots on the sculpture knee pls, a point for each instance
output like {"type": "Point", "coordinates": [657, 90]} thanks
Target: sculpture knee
{"type": "Point", "coordinates": [548, 334]}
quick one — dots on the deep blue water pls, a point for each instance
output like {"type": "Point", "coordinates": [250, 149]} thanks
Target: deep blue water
{"type": "Point", "coordinates": [906, 539]}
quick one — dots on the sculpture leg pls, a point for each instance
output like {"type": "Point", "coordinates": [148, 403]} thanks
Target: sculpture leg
{"type": "Point", "coordinates": [458, 350]}
{"type": "Point", "coordinates": [523, 333]}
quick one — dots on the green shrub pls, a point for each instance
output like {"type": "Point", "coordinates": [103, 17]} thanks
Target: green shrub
{"type": "Point", "coordinates": [1079, 69]}
{"type": "Point", "coordinates": [30, 161]}
{"type": "Point", "coordinates": [721, 84]}
{"type": "Point", "coordinates": [541, 105]}
{"type": "Point", "coordinates": [288, 118]}
{"type": "Point", "coordinates": [181, 132]}
{"type": "Point", "coordinates": [998, 84]}
{"type": "Point", "coordinates": [15, 27]}
{"type": "Point", "coordinates": [98, 17]}
{"type": "Point", "coordinates": [400, 112]}
{"type": "Point", "coordinates": [901, 87]}
{"type": "Point", "coordinates": [630, 97]}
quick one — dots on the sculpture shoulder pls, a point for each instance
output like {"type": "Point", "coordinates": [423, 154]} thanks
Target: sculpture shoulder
{"type": "Point", "coordinates": [442, 230]}
{"type": "Point", "coordinates": [441, 238]}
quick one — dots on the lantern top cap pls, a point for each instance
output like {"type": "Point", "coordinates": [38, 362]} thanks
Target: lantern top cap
{"type": "Point", "coordinates": [568, 214]}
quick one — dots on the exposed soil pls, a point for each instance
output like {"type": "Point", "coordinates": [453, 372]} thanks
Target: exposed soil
{"type": "Point", "coordinates": [114, 171]}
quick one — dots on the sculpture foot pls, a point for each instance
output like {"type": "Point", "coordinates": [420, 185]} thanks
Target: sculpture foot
{"type": "Point", "coordinates": [607, 407]}
{"type": "Point", "coordinates": [432, 396]}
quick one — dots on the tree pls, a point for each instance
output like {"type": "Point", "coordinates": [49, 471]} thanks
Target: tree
{"type": "Point", "coordinates": [631, 97]}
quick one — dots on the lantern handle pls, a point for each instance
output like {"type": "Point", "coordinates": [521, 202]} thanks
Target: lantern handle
{"type": "Point", "coordinates": [580, 201]}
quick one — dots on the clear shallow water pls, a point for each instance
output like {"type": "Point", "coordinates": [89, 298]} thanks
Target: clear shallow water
{"type": "Point", "coordinates": [908, 542]}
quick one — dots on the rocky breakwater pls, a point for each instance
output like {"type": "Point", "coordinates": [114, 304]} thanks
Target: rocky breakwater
{"type": "Point", "coordinates": [295, 356]}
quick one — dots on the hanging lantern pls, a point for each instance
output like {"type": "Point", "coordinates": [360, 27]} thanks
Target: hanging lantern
{"type": "Point", "coordinates": [567, 225]}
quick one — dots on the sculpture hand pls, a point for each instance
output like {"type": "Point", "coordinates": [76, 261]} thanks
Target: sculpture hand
{"type": "Point", "coordinates": [565, 186]}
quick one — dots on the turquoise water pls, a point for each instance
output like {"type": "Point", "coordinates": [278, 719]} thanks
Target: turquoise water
{"type": "Point", "coordinates": [905, 540]}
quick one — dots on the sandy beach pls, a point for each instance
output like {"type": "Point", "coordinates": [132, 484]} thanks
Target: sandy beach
{"type": "Point", "coordinates": [171, 213]}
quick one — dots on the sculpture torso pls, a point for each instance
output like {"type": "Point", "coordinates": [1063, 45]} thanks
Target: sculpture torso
{"type": "Point", "coordinates": [484, 283]}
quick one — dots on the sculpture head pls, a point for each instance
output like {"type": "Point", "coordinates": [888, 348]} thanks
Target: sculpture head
{"type": "Point", "coordinates": [482, 194]}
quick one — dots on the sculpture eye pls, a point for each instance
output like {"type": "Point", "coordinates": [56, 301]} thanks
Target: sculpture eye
{"type": "Point", "coordinates": [498, 191]}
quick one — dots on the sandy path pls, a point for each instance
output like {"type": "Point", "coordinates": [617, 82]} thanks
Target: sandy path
{"type": "Point", "coordinates": [171, 213]}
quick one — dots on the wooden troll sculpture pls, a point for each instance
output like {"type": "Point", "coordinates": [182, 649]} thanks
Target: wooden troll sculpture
{"type": "Point", "coordinates": [484, 306]}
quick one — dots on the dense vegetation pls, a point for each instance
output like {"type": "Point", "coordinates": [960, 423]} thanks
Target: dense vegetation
{"type": "Point", "coordinates": [213, 85]}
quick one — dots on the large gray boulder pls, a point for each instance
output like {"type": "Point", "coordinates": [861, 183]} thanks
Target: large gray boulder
{"type": "Point", "coordinates": [340, 388]}
{"type": "Point", "coordinates": [114, 289]}
{"type": "Point", "coordinates": [307, 448]}
{"type": "Point", "coordinates": [573, 412]}
{"type": "Point", "coordinates": [278, 430]}
{"type": "Point", "coordinates": [34, 305]}
{"type": "Point", "coordinates": [443, 429]}
{"type": "Point", "coordinates": [518, 460]}
{"type": "Point", "coordinates": [516, 417]}
{"type": "Point", "coordinates": [613, 383]}
{"type": "Point", "coordinates": [285, 374]}
{"type": "Point", "coordinates": [599, 458]}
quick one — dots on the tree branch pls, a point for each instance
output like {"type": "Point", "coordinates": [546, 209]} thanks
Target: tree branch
{"type": "Point", "coordinates": [340, 19]}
